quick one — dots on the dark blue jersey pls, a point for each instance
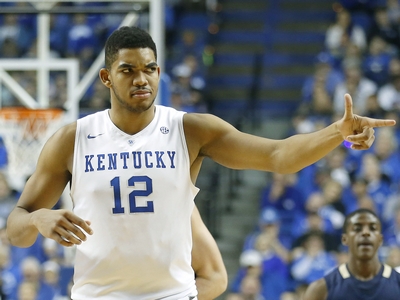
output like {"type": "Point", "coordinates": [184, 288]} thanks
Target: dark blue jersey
{"type": "Point", "coordinates": [342, 285]}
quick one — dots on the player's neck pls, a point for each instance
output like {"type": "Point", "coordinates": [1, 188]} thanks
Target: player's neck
{"type": "Point", "coordinates": [131, 122]}
{"type": "Point", "coordinates": [364, 269]}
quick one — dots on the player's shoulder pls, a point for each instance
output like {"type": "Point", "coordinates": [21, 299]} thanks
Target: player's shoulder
{"type": "Point", "coordinates": [68, 129]}
{"type": "Point", "coordinates": [396, 272]}
{"type": "Point", "coordinates": [204, 120]}
{"type": "Point", "coordinates": [64, 135]}
{"type": "Point", "coordinates": [317, 290]}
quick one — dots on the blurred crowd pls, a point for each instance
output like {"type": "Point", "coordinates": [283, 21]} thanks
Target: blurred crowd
{"type": "Point", "coordinates": [83, 35]}
{"type": "Point", "coordinates": [297, 238]}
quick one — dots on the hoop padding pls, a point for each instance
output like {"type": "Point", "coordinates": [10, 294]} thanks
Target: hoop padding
{"type": "Point", "coordinates": [24, 132]}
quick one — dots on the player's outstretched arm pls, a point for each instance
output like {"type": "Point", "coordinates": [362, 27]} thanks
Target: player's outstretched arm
{"type": "Point", "coordinates": [207, 263]}
{"type": "Point", "coordinates": [317, 290]}
{"type": "Point", "coordinates": [33, 213]}
{"type": "Point", "coordinates": [209, 136]}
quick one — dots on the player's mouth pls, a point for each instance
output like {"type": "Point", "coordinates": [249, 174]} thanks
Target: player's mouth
{"type": "Point", "coordinates": [365, 244]}
{"type": "Point", "coordinates": [141, 94]}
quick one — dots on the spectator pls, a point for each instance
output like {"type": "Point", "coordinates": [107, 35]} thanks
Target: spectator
{"type": "Point", "coordinates": [378, 184]}
{"type": "Point", "coordinates": [269, 224]}
{"type": "Point", "coordinates": [27, 291]}
{"type": "Point", "coordinates": [51, 277]}
{"type": "Point", "coordinates": [373, 109]}
{"type": "Point", "coordinates": [188, 43]}
{"type": "Point", "coordinates": [313, 222]}
{"type": "Point", "coordinates": [335, 163]}
{"type": "Point", "coordinates": [274, 269]}
{"type": "Point", "coordinates": [393, 10]}
{"type": "Point", "coordinates": [250, 288]}
{"type": "Point", "coordinates": [8, 272]}
{"type": "Point", "coordinates": [391, 235]}
{"type": "Point", "coordinates": [389, 94]}
{"type": "Point", "coordinates": [325, 75]}
{"type": "Point", "coordinates": [31, 271]}
{"type": "Point", "coordinates": [333, 209]}
{"type": "Point", "coordinates": [234, 296]}
{"type": "Point", "coordinates": [357, 85]}
{"type": "Point", "coordinates": [286, 198]}
{"type": "Point", "coordinates": [393, 257]}
{"type": "Point", "coordinates": [386, 148]}
{"type": "Point", "coordinates": [185, 95]}
{"type": "Point", "coordinates": [343, 31]}
{"type": "Point", "coordinates": [13, 31]}
{"type": "Point", "coordinates": [382, 27]}
{"type": "Point", "coordinates": [250, 262]}
{"type": "Point", "coordinates": [356, 196]}
{"type": "Point", "coordinates": [59, 27]}
{"type": "Point", "coordinates": [9, 49]}
{"type": "Point", "coordinates": [81, 36]}
{"type": "Point", "coordinates": [311, 261]}
{"type": "Point", "coordinates": [376, 62]}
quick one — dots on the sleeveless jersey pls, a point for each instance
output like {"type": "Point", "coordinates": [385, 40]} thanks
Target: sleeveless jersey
{"type": "Point", "coordinates": [342, 285]}
{"type": "Point", "coordinates": [137, 193]}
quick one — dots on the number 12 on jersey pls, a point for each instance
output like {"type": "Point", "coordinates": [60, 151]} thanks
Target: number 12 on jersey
{"type": "Point", "coordinates": [133, 208]}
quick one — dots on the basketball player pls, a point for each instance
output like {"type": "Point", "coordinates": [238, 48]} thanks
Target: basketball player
{"type": "Point", "coordinates": [364, 277]}
{"type": "Point", "coordinates": [132, 171]}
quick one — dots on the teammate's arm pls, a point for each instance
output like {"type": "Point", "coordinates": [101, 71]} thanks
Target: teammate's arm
{"type": "Point", "coordinates": [207, 263]}
{"type": "Point", "coordinates": [33, 213]}
{"type": "Point", "coordinates": [317, 290]}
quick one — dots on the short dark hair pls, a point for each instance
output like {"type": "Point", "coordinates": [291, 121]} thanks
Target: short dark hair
{"type": "Point", "coordinates": [127, 38]}
{"type": "Point", "coordinates": [358, 211]}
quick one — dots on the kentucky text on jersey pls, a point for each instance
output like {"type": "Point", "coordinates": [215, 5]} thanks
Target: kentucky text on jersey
{"type": "Point", "coordinates": [134, 159]}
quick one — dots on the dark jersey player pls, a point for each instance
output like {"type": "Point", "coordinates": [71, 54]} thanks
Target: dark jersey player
{"type": "Point", "coordinates": [363, 277]}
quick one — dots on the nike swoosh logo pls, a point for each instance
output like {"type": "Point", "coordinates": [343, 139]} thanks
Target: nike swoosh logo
{"type": "Point", "coordinates": [94, 136]}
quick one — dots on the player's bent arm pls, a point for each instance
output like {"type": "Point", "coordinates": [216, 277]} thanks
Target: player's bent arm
{"type": "Point", "coordinates": [207, 263]}
{"type": "Point", "coordinates": [33, 213]}
{"type": "Point", "coordinates": [210, 136]}
{"type": "Point", "coordinates": [317, 290]}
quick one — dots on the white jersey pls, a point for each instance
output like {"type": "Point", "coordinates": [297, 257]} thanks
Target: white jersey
{"type": "Point", "coordinates": [137, 193]}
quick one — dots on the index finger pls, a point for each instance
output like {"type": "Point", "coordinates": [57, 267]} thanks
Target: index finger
{"type": "Point", "coordinates": [380, 122]}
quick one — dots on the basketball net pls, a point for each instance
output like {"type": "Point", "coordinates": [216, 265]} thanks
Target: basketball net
{"type": "Point", "coordinates": [24, 132]}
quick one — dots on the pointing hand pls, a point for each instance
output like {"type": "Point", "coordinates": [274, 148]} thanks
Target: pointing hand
{"type": "Point", "coordinates": [359, 130]}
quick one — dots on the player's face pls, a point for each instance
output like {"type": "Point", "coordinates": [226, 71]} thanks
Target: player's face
{"type": "Point", "coordinates": [363, 236]}
{"type": "Point", "coordinates": [134, 78]}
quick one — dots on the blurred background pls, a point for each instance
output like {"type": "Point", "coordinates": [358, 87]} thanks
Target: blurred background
{"type": "Point", "coordinates": [271, 68]}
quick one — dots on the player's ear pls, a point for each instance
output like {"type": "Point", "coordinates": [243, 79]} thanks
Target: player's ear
{"type": "Point", "coordinates": [344, 239]}
{"type": "Point", "coordinates": [105, 77]}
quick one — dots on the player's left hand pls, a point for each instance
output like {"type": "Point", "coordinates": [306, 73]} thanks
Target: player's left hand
{"type": "Point", "coordinates": [359, 130]}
